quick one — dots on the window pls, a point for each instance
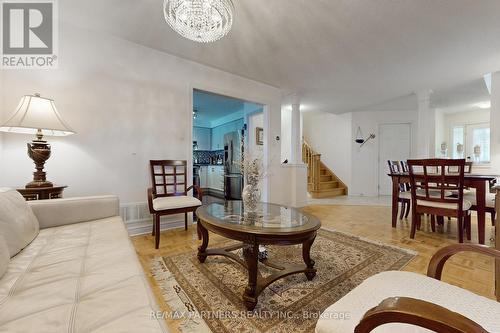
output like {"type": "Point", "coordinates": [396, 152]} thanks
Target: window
{"type": "Point", "coordinates": [472, 142]}
{"type": "Point", "coordinates": [478, 143]}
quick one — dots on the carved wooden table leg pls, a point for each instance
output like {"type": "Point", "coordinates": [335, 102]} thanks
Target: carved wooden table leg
{"type": "Point", "coordinates": [250, 297]}
{"type": "Point", "coordinates": [202, 249]}
{"type": "Point", "coordinates": [310, 271]}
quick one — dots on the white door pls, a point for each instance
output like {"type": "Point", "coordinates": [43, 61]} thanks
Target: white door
{"type": "Point", "coordinates": [395, 145]}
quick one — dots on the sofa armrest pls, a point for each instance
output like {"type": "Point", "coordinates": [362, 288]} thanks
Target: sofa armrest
{"type": "Point", "coordinates": [416, 312]}
{"type": "Point", "coordinates": [58, 212]}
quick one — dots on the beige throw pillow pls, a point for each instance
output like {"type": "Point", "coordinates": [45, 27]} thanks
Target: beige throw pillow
{"type": "Point", "coordinates": [18, 224]}
{"type": "Point", "coordinates": [4, 256]}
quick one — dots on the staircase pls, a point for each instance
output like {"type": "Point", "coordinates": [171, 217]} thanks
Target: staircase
{"type": "Point", "coordinates": [321, 181]}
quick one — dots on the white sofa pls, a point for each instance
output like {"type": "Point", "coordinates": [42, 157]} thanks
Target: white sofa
{"type": "Point", "coordinates": [79, 274]}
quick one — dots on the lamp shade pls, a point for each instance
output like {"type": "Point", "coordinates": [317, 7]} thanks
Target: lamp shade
{"type": "Point", "coordinates": [36, 113]}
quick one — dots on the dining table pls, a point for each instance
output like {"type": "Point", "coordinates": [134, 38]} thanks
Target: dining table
{"type": "Point", "coordinates": [479, 182]}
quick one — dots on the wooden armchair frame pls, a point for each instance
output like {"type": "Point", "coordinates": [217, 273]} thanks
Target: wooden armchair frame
{"type": "Point", "coordinates": [425, 314]}
{"type": "Point", "coordinates": [168, 181]}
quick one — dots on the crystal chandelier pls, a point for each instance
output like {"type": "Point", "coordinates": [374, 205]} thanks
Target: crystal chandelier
{"type": "Point", "coordinates": [202, 21]}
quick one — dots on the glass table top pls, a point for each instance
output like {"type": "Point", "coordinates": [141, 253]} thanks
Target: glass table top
{"type": "Point", "coordinates": [267, 216]}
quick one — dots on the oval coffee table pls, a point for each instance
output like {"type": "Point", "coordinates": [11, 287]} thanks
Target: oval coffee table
{"type": "Point", "coordinates": [271, 224]}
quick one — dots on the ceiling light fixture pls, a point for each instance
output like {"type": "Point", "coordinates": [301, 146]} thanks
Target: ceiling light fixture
{"type": "Point", "coordinates": [201, 21]}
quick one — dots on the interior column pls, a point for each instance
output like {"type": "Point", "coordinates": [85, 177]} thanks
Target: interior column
{"type": "Point", "coordinates": [495, 122]}
{"type": "Point", "coordinates": [426, 124]}
{"type": "Point", "coordinates": [295, 138]}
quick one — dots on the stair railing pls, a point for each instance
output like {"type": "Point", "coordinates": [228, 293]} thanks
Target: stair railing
{"type": "Point", "coordinates": [313, 161]}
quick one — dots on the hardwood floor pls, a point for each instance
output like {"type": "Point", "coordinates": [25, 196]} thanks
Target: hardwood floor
{"type": "Point", "coordinates": [469, 271]}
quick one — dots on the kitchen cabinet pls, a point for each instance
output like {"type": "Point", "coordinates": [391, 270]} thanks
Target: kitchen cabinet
{"type": "Point", "coordinates": [212, 177]}
{"type": "Point", "coordinates": [215, 177]}
{"type": "Point", "coordinates": [203, 136]}
{"type": "Point", "coordinates": [219, 132]}
{"type": "Point", "coordinates": [218, 138]}
{"type": "Point", "coordinates": [203, 176]}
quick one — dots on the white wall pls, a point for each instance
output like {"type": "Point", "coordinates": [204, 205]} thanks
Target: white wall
{"type": "Point", "coordinates": [364, 161]}
{"type": "Point", "coordinates": [333, 137]}
{"type": "Point", "coordinates": [495, 123]}
{"type": "Point", "coordinates": [330, 135]}
{"type": "Point", "coordinates": [128, 104]}
{"type": "Point", "coordinates": [440, 135]}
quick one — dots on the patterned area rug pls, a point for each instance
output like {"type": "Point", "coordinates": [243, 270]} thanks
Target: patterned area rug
{"type": "Point", "coordinates": [207, 297]}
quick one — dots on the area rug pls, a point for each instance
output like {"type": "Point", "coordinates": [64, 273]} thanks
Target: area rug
{"type": "Point", "coordinates": [207, 297]}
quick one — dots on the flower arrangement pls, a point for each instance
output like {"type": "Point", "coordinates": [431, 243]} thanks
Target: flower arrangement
{"type": "Point", "coordinates": [254, 172]}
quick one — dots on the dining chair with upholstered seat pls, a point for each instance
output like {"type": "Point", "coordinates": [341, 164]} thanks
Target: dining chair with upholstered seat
{"type": "Point", "coordinates": [404, 189]}
{"type": "Point", "coordinates": [169, 193]}
{"type": "Point", "coordinates": [431, 184]}
{"type": "Point", "coordinates": [489, 201]}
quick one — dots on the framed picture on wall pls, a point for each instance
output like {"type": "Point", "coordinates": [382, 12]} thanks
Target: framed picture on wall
{"type": "Point", "coordinates": [259, 136]}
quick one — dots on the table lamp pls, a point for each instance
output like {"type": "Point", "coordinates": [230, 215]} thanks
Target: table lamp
{"type": "Point", "coordinates": [37, 115]}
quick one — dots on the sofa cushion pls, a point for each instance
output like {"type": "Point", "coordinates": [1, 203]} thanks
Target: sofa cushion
{"type": "Point", "coordinates": [375, 289]}
{"type": "Point", "coordinates": [175, 202]}
{"type": "Point", "coordinates": [18, 224]}
{"type": "Point", "coordinates": [83, 277]}
{"type": "Point", "coordinates": [4, 256]}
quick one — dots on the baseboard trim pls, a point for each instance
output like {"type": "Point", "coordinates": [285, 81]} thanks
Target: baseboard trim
{"type": "Point", "coordinates": [143, 227]}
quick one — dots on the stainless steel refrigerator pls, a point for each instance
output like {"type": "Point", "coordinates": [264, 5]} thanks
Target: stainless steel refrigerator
{"type": "Point", "coordinates": [233, 177]}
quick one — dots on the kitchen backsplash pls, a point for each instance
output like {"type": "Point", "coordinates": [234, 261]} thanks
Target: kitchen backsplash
{"type": "Point", "coordinates": [208, 157]}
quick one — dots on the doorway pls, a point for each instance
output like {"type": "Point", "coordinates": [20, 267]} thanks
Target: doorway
{"type": "Point", "coordinates": [221, 130]}
{"type": "Point", "coordinates": [394, 145]}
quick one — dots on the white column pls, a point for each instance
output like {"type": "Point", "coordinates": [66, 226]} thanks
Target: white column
{"type": "Point", "coordinates": [295, 139]}
{"type": "Point", "coordinates": [426, 125]}
{"type": "Point", "coordinates": [495, 122]}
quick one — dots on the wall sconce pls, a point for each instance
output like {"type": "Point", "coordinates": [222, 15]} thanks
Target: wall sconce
{"type": "Point", "coordinates": [359, 138]}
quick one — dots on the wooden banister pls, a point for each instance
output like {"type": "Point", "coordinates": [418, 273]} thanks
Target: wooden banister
{"type": "Point", "coordinates": [315, 166]}
{"type": "Point", "coordinates": [313, 161]}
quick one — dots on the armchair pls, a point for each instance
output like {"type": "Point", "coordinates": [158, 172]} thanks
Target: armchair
{"type": "Point", "coordinates": [408, 302]}
{"type": "Point", "coordinates": [169, 193]}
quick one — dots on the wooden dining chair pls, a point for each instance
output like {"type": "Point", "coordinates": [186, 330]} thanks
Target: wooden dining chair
{"type": "Point", "coordinates": [404, 189]}
{"type": "Point", "coordinates": [430, 186]}
{"type": "Point", "coordinates": [169, 193]}
{"type": "Point", "coordinates": [470, 194]}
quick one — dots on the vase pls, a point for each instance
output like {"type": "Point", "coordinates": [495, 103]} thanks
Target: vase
{"type": "Point", "coordinates": [250, 197]}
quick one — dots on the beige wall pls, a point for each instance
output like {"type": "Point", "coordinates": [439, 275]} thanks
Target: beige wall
{"type": "Point", "coordinates": [128, 104]}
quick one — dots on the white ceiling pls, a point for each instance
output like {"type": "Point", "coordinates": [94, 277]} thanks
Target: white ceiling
{"type": "Point", "coordinates": [342, 55]}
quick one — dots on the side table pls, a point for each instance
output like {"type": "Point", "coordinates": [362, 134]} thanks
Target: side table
{"type": "Point", "coordinates": [41, 193]}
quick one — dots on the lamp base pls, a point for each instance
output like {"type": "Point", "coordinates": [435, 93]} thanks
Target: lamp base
{"type": "Point", "coordinates": [39, 152]}
{"type": "Point", "coordinates": [36, 184]}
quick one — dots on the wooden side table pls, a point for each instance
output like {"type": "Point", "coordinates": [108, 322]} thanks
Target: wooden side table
{"type": "Point", "coordinates": [41, 193]}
